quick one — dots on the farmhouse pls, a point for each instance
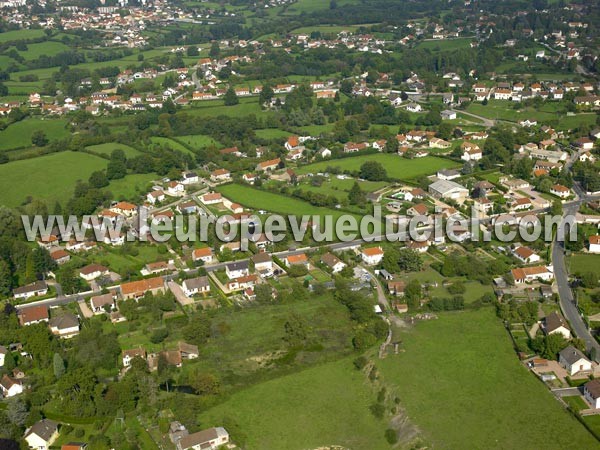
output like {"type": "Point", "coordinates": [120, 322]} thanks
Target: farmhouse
{"type": "Point", "coordinates": [372, 255]}
{"type": "Point", "coordinates": [527, 274]}
{"type": "Point", "coordinates": [193, 286]}
{"type": "Point", "coordinates": [33, 314]}
{"type": "Point", "coordinates": [591, 392]}
{"type": "Point", "coordinates": [553, 323]}
{"type": "Point", "coordinates": [41, 435]}
{"type": "Point", "coordinates": [574, 361]}
{"type": "Point", "coordinates": [137, 289]}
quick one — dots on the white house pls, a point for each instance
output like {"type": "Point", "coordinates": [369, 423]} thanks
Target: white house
{"type": "Point", "coordinates": [204, 254]}
{"type": "Point", "coordinates": [574, 361]}
{"type": "Point", "coordinates": [93, 271]}
{"type": "Point", "coordinates": [237, 269]}
{"type": "Point", "coordinates": [372, 255]}
{"type": "Point", "coordinates": [560, 191]}
{"type": "Point", "coordinates": [193, 286]}
{"type": "Point", "coordinates": [528, 274]}
{"type": "Point", "coordinates": [174, 188]}
{"type": "Point", "coordinates": [335, 264]}
{"type": "Point", "coordinates": [41, 435]}
{"type": "Point", "coordinates": [209, 439]}
{"type": "Point", "coordinates": [155, 196]}
{"type": "Point", "coordinates": [98, 303]}
{"type": "Point", "coordinates": [526, 255]}
{"type": "Point", "coordinates": [190, 178]}
{"type": "Point", "coordinates": [553, 323]}
{"type": "Point", "coordinates": [414, 107]}
{"type": "Point", "coordinates": [129, 355]}
{"type": "Point", "coordinates": [591, 392]}
{"type": "Point", "coordinates": [10, 387]}
{"type": "Point", "coordinates": [31, 290]}
{"type": "Point", "coordinates": [594, 244]}
{"type": "Point", "coordinates": [263, 262]}
{"type": "Point", "coordinates": [65, 326]}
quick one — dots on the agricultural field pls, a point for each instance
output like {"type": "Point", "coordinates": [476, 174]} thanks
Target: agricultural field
{"type": "Point", "coordinates": [18, 135]}
{"type": "Point", "coordinates": [49, 178]}
{"type": "Point", "coordinates": [277, 203]}
{"type": "Point", "coordinates": [445, 44]}
{"type": "Point", "coordinates": [107, 149]}
{"type": "Point", "coordinates": [396, 166]}
{"type": "Point", "coordinates": [48, 48]}
{"type": "Point", "coordinates": [325, 29]}
{"type": "Point", "coordinates": [247, 106]}
{"type": "Point", "coordinates": [331, 400]}
{"type": "Point", "coordinates": [584, 262]}
{"type": "Point", "coordinates": [340, 188]}
{"type": "Point", "coordinates": [465, 362]}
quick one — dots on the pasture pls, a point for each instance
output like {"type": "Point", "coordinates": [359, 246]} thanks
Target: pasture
{"type": "Point", "coordinates": [580, 263]}
{"type": "Point", "coordinates": [465, 362]}
{"type": "Point", "coordinates": [397, 167]}
{"type": "Point", "coordinates": [107, 149]}
{"type": "Point", "coordinates": [197, 140]}
{"type": "Point", "coordinates": [18, 135]}
{"type": "Point", "coordinates": [49, 178]}
{"type": "Point", "coordinates": [272, 133]}
{"type": "Point", "coordinates": [445, 44]}
{"type": "Point", "coordinates": [19, 35]}
{"type": "Point", "coordinates": [48, 48]}
{"type": "Point", "coordinates": [131, 187]}
{"type": "Point", "coordinates": [173, 145]}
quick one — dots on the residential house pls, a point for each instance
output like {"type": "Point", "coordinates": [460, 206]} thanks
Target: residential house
{"type": "Point", "coordinates": [65, 326]}
{"type": "Point", "coordinates": [41, 435]}
{"type": "Point", "coordinates": [237, 269]}
{"type": "Point", "coordinates": [190, 178]}
{"type": "Point", "coordinates": [204, 254]}
{"type": "Point", "coordinates": [526, 255]}
{"type": "Point", "coordinates": [209, 439]}
{"type": "Point", "coordinates": [292, 143]}
{"type": "Point", "coordinates": [560, 191]}
{"type": "Point", "coordinates": [60, 256]}
{"type": "Point", "coordinates": [137, 289]}
{"type": "Point", "coordinates": [187, 207]}
{"type": "Point", "coordinates": [93, 271]}
{"type": "Point", "coordinates": [263, 262]}
{"type": "Point", "coordinates": [528, 274]}
{"type": "Point", "coordinates": [220, 175]}
{"type": "Point", "coordinates": [193, 286]}
{"type": "Point", "coordinates": [591, 392]}
{"type": "Point", "coordinates": [371, 255]}
{"type": "Point", "coordinates": [418, 210]}
{"type": "Point", "coordinates": [448, 115]}
{"type": "Point", "coordinates": [127, 356]}
{"type": "Point", "coordinates": [334, 264]}
{"type": "Point", "coordinates": [299, 259]}
{"type": "Point", "coordinates": [3, 353]}
{"type": "Point", "coordinates": [175, 188]}
{"type": "Point", "coordinates": [574, 361]}
{"type": "Point", "coordinates": [584, 143]}
{"type": "Point", "coordinates": [554, 323]}
{"type": "Point", "coordinates": [448, 174]}
{"type": "Point", "coordinates": [187, 351]}
{"type": "Point", "coordinates": [396, 287]}
{"type": "Point", "coordinates": [211, 198]}
{"type": "Point", "coordinates": [31, 290]}
{"type": "Point", "coordinates": [33, 314]}
{"type": "Point", "coordinates": [10, 386]}
{"type": "Point", "coordinates": [156, 196]}
{"type": "Point", "coordinates": [124, 208]}
{"type": "Point", "coordinates": [100, 303]}
{"type": "Point", "coordinates": [471, 152]}
{"type": "Point", "coordinates": [269, 165]}
{"type": "Point", "coordinates": [594, 244]}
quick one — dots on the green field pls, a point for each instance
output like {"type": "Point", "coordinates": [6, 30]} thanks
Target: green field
{"type": "Point", "coordinates": [396, 166]}
{"type": "Point", "coordinates": [18, 35]}
{"type": "Point", "coordinates": [272, 133]}
{"type": "Point", "coordinates": [48, 178]}
{"type": "Point", "coordinates": [131, 187]}
{"type": "Point", "coordinates": [581, 262]}
{"type": "Point", "coordinates": [18, 135]}
{"type": "Point", "coordinates": [321, 406]}
{"type": "Point", "coordinates": [278, 203]}
{"type": "Point", "coordinates": [445, 44]}
{"type": "Point", "coordinates": [197, 140]}
{"type": "Point", "coordinates": [340, 188]}
{"type": "Point", "coordinates": [174, 145]}
{"type": "Point", "coordinates": [463, 386]}
{"type": "Point", "coordinates": [247, 106]}
{"type": "Point", "coordinates": [48, 48]}
{"type": "Point", "coordinates": [107, 149]}
{"type": "Point", "coordinates": [325, 29]}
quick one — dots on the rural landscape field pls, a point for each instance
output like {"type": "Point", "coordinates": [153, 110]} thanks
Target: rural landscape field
{"type": "Point", "coordinates": [299, 225]}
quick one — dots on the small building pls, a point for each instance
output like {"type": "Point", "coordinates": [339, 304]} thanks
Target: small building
{"type": "Point", "coordinates": [129, 355]}
{"type": "Point", "coordinates": [334, 264]}
{"type": "Point", "coordinates": [188, 351]}
{"type": "Point", "coordinates": [31, 290]}
{"type": "Point", "coordinates": [262, 262]}
{"type": "Point", "coordinates": [554, 323]}
{"type": "Point", "coordinates": [528, 274]}
{"type": "Point", "coordinates": [299, 259]}
{"type": "Point", "coordinates": [237, 269]}
{"type": "Point", "coordinates": [396, 287]}
{"type": "Point", "coordinates": [33, 315]}
{"type": "Point", "coordinates": [93, 271]}
{"type": "Point", "coordinates": [193, 286]}
{"type": "Point", "coordinates": [100, 303]}
{"type": "Point", "coordinates": [574, 361]}
{"type": "Point", "coordinates": [594, 246]}
{"type": "Point", "coordinates": [209, 439]}
{"type": "Point", "coordinates": [10, 386]}
{"type": "Point", "coordinates": [65, 326]}
{"type": "Point", "coordinates": [204, 254]}
{"type": "Point", "coordinates": [526, 255]}
{"type": "Point", "coordinates": [591, 392]}
{"type": "Point", "coordinates": [372, 255]}
{"type": "Point", "coordinates": [137, 289]}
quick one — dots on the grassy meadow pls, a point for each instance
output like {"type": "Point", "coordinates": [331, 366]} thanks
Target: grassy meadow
{"type": "Point", "coordinates": [107, 149]}
{"type": "Point", "coordinates": [18, 135]}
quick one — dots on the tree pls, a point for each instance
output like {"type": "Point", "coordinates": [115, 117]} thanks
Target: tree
{"type": "Point", "coordinates": [159, 335]}
{"type": "Point", "coordinates": [390, 260]}
{"type": "Point", "coordinates": [263, 293]}
{"type": "Point", "coordinates": [231, 97]}
{"type": "Point", "coordinates": [413, 293]}
{"type": "Point", "coordinates": [205, 383]}
{"type": "Point", "coordinates": [98, 179]}
{"type": "Point", "coordinates": [38, 138]}
{"type": "Point", "coordinates": [214, 51]}
{"type": "Point", "coordinates": [549, 346]}
{"type": "Point", "coordinates": [373, 171]}
{"type": "Point", "coordinates": [409, 260]}
{"type": "Point", "coordinates": [197, 331]}
{"type": "Point", "coordinates": [5, 279]}
{"type": "Point", "coordinates": [556, 209]}
{"type": "Point", "coordinates": [58, 365]}
{"type": "Point", "coordinates": [356, 196]}
{"type": "Point", "coordinates": [266, 95]}
{"type": "Point", "coordinates": [192, 50]}
{"type": "Point", "coordinates": [295, 331]}
{"type": "Point", "coordinates": [17, 412]}
{"type": "Point", "coordinates": [117, 166]}
{"type": "Point", "coordinates": [391, 146]}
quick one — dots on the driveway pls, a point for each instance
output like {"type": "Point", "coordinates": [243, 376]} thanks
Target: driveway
{"type": "Point", "coordinates": [179, 295]}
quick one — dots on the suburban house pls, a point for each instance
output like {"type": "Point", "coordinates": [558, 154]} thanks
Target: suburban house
{"type": "Point", "coordinates": [554, 323]}
{"type": "Point", "coordinates": [372, 255]}
{"type": "Point", "coordinates": [448, 189]}
{"type": "Point", "coordinates": [209, 439]}
{"type": "Point", "coordinates": [188, 351]}
{"type": "Point", "coordinates": [93, 271]}
{"type": "Point", "coordinates": [262, 262]}
{"type": "Point", "coordinates": [591, 392]}
{"type": "Point", "coordinates": [60, 256]}
{"type": "Point", "coordinates": [211, 198]}
{"type": "Point", "coordinates": [448, 174]}
{"type": "Point", "coordinates": [526, 255]}
{"type": "Point", "coordinates": [41, 435]}
{"type": "Point", "coordinates": [574, 361]}
{"type": "Point", "coordinates": [528, 274]}
{"type": "Point", "coordinates": [100, 303]}
{"type": "Point", "coordinates": [204, 254]}
{"type": "Point", "coordinates": [124, 208]}
{"type": "Point", "coordinates": [129, 355]}
{"type": "Point", "coordinates": [335, 264]}
{"type": "Point", "coordinates": [296, 260]}
{"type": "Point", "coordinates": [10, 386]}
{"type": "Point", "coordinates": [471, 152]}
{"type": "Point", "coordinates": [137, 289]}
{"type": "Point", "coordinates": [594, 246]}
{"type": "Point", "coordinates": [292, 143]}
{"type": "Point", "coordinates": [31, 290]}
{"type": "Point", "coordinates": [33, 314]}
{"type": "Point", "coordinates": [220, 175]}
{"type": "Point", "coordinates": [560, 191]}
{"type": "Point", "coordinates": [65, 326]}
{"type": "Point", "coordinates": [175, 188]}
{"type": "Point", "coordinates": [190, 178]}
{"type": "Point", "coordinates": [237, 269]}
{"type": "Point", "coordinates": [269, 165]}
{"type": "Point", "coordinates": [156, 196]}
{"type": "Point", "coordinates": [418, 210]}
{"type": "Point", "coordinates": [396, 287]}
{"type": "Point", "coordinates": [193, 286]}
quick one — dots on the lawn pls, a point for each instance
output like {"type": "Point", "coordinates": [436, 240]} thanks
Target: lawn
{"type": "Point", "coordinates": [107, 149]}
{"type": "Point", "coordinates": [325, 29]}
{"type": "Point", "coordinates": [584, 262]}
{"type": "Point", "coordinates": [174, 145]}
{"type": "Point", "coordinates": [340, 188]}
{"type": "Point", "coordinates": [131, 187]}
{"type": "Point", "coordinates": [322, 406]}
{"type": "Point", "coordinates": [18, 135]}
{"type": "Point", "coordinates": [48, 48]}
{"type": "Point", "coordinates": [463, 386]}
{"type": "Point", "coordinates": [197, 140]}
{"type": "Point", "coordinates": [18, 35]}
{"type": "Point", "coordinates": [213, 108]}
{"type": "Point", "coordinates": [277, 203]}
{"type": "Point", "coordinates": [396, 166]}
{"type": "Point", "coordinates": [576, 402]}
{"type": "Point", "coordinates": [49, 178]}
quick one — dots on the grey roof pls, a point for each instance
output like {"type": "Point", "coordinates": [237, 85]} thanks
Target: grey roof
{"type": "Point", "coordinates": [65, 321]}
{"type": "Point", "coordinates": [201, 437]}
{"type": "Point", "coordinates": [33, 287]}
{"type": "Point", "coordinates": [593, 387]}
{"type": "Point", "coordinates": [444, 186]}
{"type": "Point", "coordinates": [100, 300]}
{"type": "Point", "coordinates": [197, 283]}
{"type": "Point", "coordinates": [238, 265]}
{"type": "Point", "coordinates": [261, 258]}
{"type": "Point", "coordinates": [3, 350]}
{"type": "Point", "coordinates": [571, 355]}
{"type": "Point", "coordinates": [45, 428]}
{"type": "Point", "coordinates": [330, 259]}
